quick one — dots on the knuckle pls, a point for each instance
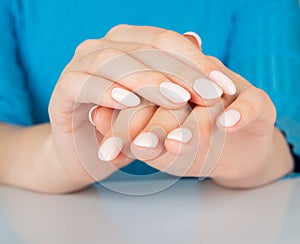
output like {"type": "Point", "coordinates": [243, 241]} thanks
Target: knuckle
{"type": "Point", "coordinates": [263, 98]}
{"type": "Point", "coordinates": [214, 60]}
{"type": "Point", "coordinates": [117, 28]}
{"type": "Point", "coordinates": [84, 45]}
{"type": "Point", "coordinates": [62, 92]}
{"type": "Point", "coordinates": [261, 95]}
{"type": "Point", "coordinates": [248, 106]}
{"type": "Point", "coordinates": [136, 48]}
{"type": "Point", "coordinates": [100, 57]}
{"type": "Point", "coordinates": [106, 53]}
{"type": "Point", "coordinates": [165, 37]}
{"type": "Point", "coordinates": [65, 82]}
{"type": "Point", "coordinates": [87, 46]}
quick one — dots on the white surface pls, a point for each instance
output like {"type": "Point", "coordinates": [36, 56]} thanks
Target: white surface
{"type": "Point", "coordinates": [188, 212]}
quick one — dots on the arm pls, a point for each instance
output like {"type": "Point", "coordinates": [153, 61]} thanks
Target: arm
{"type": "Point", "coordinates": [62, 156]}
{"type": "Point", "coordinates": [28, 160]}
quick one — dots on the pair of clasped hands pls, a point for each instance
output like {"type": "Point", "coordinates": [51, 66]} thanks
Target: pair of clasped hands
{"type": "Point", "coordinates": [158, 99]}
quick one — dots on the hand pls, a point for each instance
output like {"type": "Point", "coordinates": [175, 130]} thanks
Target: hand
{"type": "Point", "coordinates": [238, 147]}
{"type": "Point", "coordinates": [111, 72]}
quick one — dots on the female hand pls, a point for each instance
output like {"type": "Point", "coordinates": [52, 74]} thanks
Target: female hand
{"type": "Point", "coordinates": [111, 72]}
{"type": "Point", "coordinates": [234, 141]}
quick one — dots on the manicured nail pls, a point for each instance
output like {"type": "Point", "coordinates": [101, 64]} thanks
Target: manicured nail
{"type": "Point", "coordinates": [180, 134]}
{"type": "Point", "coordinates": [110, 149]}
{"type": "Point", "coordinates": [125, 97]}
{"type": "Point", "coordinates": [174, 93]}
{"type": "Point", "coordinates": [230, 118]}
{"type": "Point", "coordinates": [195, 35]}
{"type": "Point", "coordinates": [223, 81]}
{"type": "Point", "coordinates": [207, 89]}
{"type": "Point", "coordinates": [147, 139]}
{"type": "Point", "coordinates": [90, 115]}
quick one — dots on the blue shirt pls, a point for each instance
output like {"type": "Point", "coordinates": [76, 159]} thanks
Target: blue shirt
{"type": "Point", "coordinates": [258, 39]}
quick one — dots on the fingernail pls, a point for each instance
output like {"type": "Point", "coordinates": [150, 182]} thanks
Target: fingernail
{"type": "Point", "coordinates": [174, 93]}
{"type": "Point", "coordinates": [230, 118]}
{"type": "Point", "coordinates": [90, 115]}
{"type": "Point", "coordinates": [223, 81]}
{"type": "Point", "coordinates": [125, 97]}
{"type": "Point", "coordinates": [110, 149]}
{"type": "Point", "coordinates": [195, 35]}
{"type": "Point", "coordinates": [180, 134]}
{"type": "Point", "coordinates": [207, 89]}
{"type": "Point", "coordinates": [147, 139]}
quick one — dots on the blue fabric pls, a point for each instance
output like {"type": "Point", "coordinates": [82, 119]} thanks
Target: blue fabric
{"type": "Point", "coordinates": [258, 39]}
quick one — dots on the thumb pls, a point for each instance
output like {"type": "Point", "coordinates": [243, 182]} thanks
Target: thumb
{"type": "Point", "coordinates": [252, 107]}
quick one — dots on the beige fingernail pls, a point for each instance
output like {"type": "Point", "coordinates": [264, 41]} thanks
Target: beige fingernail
{"type": "Point", "coordinates": [110, 149]}
{"type": "Point", "coordinates": [230, 118]}
{"type": "Point", "coordinates": [90, 115]}
{"type": "Point", "coordinates": [174, 92]}
{"type": "Point", "coordinates": [147, 139]}
{"type": "Point", "coordinates": [223, 81]}
{"type": "Point", "coordinates": [125, 97]}
{"type": "Point", "coordinates": [207, 89]}
{"type": "Point", "coordinates": [181, 134]}
{"type": "Point", "coordinates": [195, 35]}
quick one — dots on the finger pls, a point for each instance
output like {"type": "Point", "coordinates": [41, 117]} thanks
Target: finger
{"type": "Point", "coordinates": [157, 76]}
{"type": "Point", "coordinates": [165, 40]}
{"type": "Point", "coordinates": [149, 143]}
{"type": "Point", "coordinates": [240, 82]}
{"type": "Point", "coordinates": [202, 120]}
{"type": "Point", "coordinates": [116, 143]}
{"type": "Point", "coordinates": [176, 165]}
{"type": "Point", "coordinates": [203, 88]}
{"type": "Point", "coordinates": [249, 105]}
{"type": "Point", "coordinates": [170, 41]}
{"type": "Point", "coordinates": [252, 106]}
{"type": "Point", "coordinates": [134, 59]}
{"type": "Point", "coordinates": [193, 133]}
{"type": "Point", "coordinates": [215, 71]}
{"type": "Point", "coordinates": [199, 139]}
{"type": "Point", "coordinates": [80, 88]}
{"type": "Point", "coordinates": [76, 87]}
{"type": "Point", "coordinates": [184, 73]}
{"type": "Point", "coordinates": [150, 84]}
{"type": "Point", "coordinates": [102, 118]}
{"type": "Point", "coordinates": [86, 59]}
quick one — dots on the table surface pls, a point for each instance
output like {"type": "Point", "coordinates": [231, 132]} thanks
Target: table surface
{"type": "Point", "coordinates": [189, 211]}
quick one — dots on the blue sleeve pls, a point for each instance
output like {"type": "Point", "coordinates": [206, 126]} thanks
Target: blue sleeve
{"type": "Point", "coordinates": [265, 49]}
{"type": "Point", "coordinates": [14, 98]}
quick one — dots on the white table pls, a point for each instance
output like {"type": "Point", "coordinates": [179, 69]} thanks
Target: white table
{"type": "Point", "coordinates": [187, 212]}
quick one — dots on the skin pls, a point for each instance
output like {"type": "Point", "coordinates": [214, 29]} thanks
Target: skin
{"type": "Point", "coordinates": [51, 162]}
{"type": "Point", "coordinates": [254, 152]}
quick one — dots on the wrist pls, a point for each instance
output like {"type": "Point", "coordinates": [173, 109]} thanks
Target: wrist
{"type": "Point", "coordinates": [64, 175]}
{"type": "Point", "coordinates": [277, 163]}
{"type": "Point", "coordinates": [280, 158]}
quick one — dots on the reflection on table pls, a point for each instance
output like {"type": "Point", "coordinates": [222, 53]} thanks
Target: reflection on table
{"type": "Point", "coordinates": [187, 212]}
